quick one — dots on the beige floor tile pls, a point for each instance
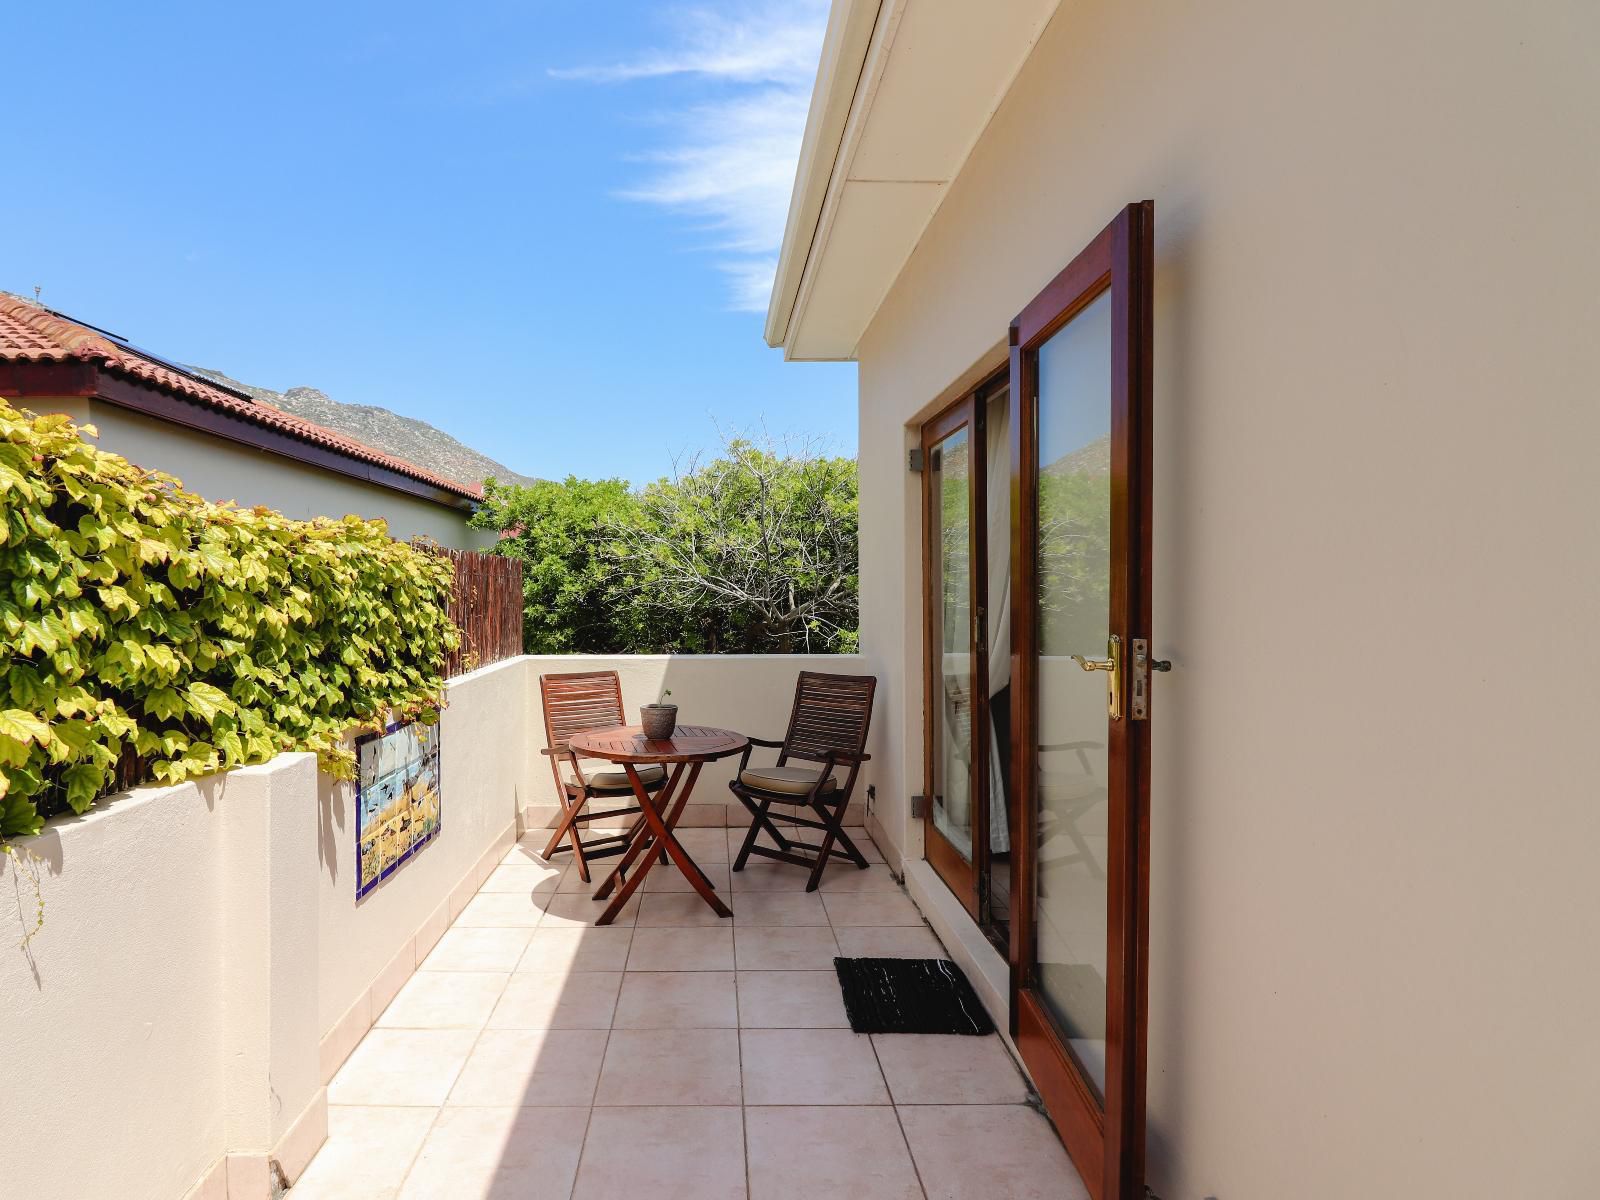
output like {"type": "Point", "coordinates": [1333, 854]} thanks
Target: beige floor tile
{"type": "Point", "coordinates": [677, 1000]}
{"type": "Point", "coordinates": [670, 1066]}
{"type": "Point", "coordinates": [557, 1000]}
{"type": "Point", "coordinates": [682, 949]}
{"type": "Point", "coordinates": [810, 1066]}
{"type": "Point", "coordinates": [948, 1069]}
{"type": "Point", "coordinates": [804, 1153]}
{"type": "Point", "coordinates": [981, 1152]}
{"type": "Point", "coordinates": [444, 1000]}
{"type": "Point", "coordinates": [367, 1154]}
{"type": "Point", "coordinates": [402, 1067]}
{"type": "Point", "coordinates": [477, 950]}
{"type": "Point", "coordinates": [543, 1067]}
{"type": "Point", "coordinates": [527, 849]}
{"type": "Point", "coordinates": [705, 846]}
{"type": "Point", "coordinates": [873, 909]}
{"type": "Point", "coordinates": [525, 877]}
{"type": "Point", "coordinates": [865, 844]}
{"type": "Point", "coordinates": [805, 949]}
{"type": "Point", "coordinates": [759, 876]}
{"type": "Point", "coordinates": [790, 1000]}
{"type": "Point", "coordinates": [670, 879]}
{"type": "Point", "coordinates": [788, 910]}
{"type": "Point", "coordinates": [577, 949]}
{"type": "Point", "coordinates": [572, 883]}
{"type": "Point", "coordinates": [502, 910]}
{"type": "Point", "coordinates": [903, 942]}
{"type": "Point", "coordinates": [678, 910]}
{"type": "Point", "coordinates": [875, 878]}
{"type": "Point", "coordinates": [577, 910]}
{"type": "Point", "coordinates": [663, 1154]}
{"type": "Point", "coordinates": [497, 1153]}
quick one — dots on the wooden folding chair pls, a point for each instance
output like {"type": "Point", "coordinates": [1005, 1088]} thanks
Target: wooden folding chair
{"type": "Point", "coordinates": [828, 726]}
{"type": "Point", "coordinates": [573, 704]}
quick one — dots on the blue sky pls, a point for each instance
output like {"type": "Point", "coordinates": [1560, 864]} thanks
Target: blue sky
{"type": "Point", "coordinates": [546, 227]}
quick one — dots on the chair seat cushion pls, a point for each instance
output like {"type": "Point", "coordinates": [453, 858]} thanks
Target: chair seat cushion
{"type": "Point", "coordinates": [788, 781]}
{"type": "Point", "coordinates": [610, 781]}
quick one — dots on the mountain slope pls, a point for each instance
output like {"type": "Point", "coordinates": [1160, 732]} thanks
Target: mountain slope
{"type": "Point", "coordinates": [413, 440]}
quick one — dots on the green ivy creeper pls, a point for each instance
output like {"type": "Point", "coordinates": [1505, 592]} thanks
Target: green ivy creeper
{"type": "Point", "coordinates": [152, 635]}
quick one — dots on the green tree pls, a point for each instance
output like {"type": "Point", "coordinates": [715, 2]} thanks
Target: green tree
{"type": "Point", "coordinates": [572, 583]}
{"type": "Point", "coordinates": [755, 551]}
{"type": "Point", "coordinates": [752, 552]}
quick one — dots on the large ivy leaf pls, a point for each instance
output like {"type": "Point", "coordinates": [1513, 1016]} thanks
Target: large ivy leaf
{"type": "Point", "coordinates": [208, 701]}
{"type": "Point", "coordinates": [23, 727]}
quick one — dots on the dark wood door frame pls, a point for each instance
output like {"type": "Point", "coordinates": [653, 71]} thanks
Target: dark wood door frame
{"type": "Point", "coordinates": [960, 874]}
{"type": "Point", "coordinates": [1105, 1139]}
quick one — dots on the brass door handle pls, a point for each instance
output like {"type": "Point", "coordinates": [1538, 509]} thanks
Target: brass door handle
{"type": "Point", "coordinates": [1112, 666]}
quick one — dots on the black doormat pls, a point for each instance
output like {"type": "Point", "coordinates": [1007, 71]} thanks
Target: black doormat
{"type": "Point", "coordinates": [910, 995]}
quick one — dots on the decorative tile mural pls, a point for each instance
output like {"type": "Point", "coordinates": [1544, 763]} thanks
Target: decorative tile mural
{"type": "Point", "coordinates": [397, 799]}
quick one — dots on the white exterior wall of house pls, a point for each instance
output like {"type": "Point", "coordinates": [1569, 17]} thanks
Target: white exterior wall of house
{"type": "Point", "coordinates": [1374, 903]}
{"type": "Point", "coordinates": [222, 470]}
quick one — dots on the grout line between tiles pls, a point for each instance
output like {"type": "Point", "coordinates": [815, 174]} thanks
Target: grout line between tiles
{"type": "Point", "coordinates": [899, 1124]}
{"type": "Point", "coordinates": [454, 1079]}
{"type": "Point", "coordinates": [583, 1142]}
{"type": "Point", "coordinates": [744, 1112]}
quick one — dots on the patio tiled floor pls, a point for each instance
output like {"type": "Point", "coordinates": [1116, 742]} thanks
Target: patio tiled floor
{"type": "Point", "coordinates": [675, 1054]}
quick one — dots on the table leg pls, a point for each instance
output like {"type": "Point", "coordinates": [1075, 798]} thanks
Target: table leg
{"type": "Point", "coordinates": [669, 840]}
{"type": "Point", "coordinates": [665, 839]}
{"type": "Point", "coordinates": [642, 836]}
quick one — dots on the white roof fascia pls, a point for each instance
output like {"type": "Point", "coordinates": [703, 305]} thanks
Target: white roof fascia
{"type": "Point", "coordinates": [844, 51]}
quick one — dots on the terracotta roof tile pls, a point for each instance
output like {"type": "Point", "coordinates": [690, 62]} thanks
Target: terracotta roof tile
{"type": "Point", "coordinates": [29, 333]}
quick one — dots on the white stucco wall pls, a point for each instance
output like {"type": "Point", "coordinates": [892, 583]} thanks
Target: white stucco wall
{"type": "Point", "coordinates": [221, 470]}
{"type": "Point", "coordinates": [116, 1011]}
{"type": "Point", "coordinates": [1373, 902]}
{"type": "Point", "coordinates": [752, 693]}
{"type": "Point", "coordinates": [486, 780]}
{"type": "Point", "coordinates": [204, 963]}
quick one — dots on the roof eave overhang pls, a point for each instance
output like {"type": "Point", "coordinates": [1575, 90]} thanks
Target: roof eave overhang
{"type": "Point", "coordinates": [844, 55]}
{"type": "Point", "coordinates": [77, 377]}
{"type": "Point", "coordinates": [904, 91]}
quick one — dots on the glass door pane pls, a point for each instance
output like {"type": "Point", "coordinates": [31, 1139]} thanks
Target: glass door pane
{"type": "Point", "coordinates": [950, 532]}
{"type": "Point", "coordinates": [1073, 595]}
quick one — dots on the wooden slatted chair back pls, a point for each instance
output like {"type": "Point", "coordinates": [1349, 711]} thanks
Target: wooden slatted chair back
{"type": "Point", "coordinates": [578, 702]}
{"type": "Point", "coordinates": [831, 713]}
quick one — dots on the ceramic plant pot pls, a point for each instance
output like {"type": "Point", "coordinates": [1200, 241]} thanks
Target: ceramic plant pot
{"type": "Point", "coordinates": [659, 720]}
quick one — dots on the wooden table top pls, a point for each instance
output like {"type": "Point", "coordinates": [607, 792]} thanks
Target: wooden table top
{"type": "Point", "coordinates": [688, 743]}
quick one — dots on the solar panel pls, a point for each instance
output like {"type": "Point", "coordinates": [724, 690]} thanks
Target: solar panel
{"type": "Point", "coordinates": [158, 359]}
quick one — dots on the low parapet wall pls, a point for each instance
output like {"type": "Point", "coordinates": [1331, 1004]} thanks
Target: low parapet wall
{"type": "Point", "coordinates": [205, 965]}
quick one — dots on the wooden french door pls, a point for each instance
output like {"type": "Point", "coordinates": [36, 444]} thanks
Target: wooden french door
{"type": "Point", "coordinates": [1080, 617]}
{"type": "Point", "coordinates": [956, 673]}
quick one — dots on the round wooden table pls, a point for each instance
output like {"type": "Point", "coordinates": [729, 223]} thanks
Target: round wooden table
{"type": "Point", "coordinates": [688, 749]}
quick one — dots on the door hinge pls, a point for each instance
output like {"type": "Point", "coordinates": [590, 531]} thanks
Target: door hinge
{"type": "Point", "coordinates": [919, 807]}
{"type": "Point", "coordinates": [914, 459]}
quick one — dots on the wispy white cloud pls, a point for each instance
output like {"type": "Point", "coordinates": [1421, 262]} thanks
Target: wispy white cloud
{"type": "Point", "coordinates": [732, 165]}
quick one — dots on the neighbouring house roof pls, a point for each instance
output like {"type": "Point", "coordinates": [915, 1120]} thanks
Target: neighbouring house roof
{"type": "Point", "coordinates": [91, 362]}
{"type": "Point", "coordinates": [904, 90]}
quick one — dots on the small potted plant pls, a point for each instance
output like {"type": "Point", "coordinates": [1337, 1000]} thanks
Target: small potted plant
{"type": "Point", "coordinates": [659, 719]}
